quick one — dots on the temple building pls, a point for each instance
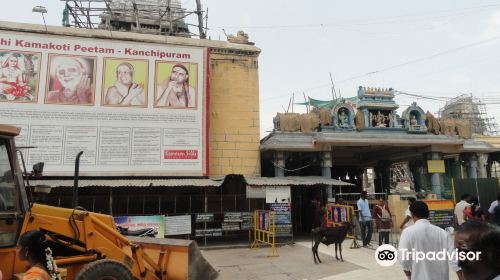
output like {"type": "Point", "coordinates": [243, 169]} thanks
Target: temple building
{"type": "Point", "coordinates": [355, 139]}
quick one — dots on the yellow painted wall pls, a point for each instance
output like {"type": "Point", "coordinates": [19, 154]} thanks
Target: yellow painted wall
{"type": "Point", "coordinates": [234, 113]}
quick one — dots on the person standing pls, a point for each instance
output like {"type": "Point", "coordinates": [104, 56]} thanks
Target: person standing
{"type": "Point", "coordinates": [424, 237]}
{"type": "Point", "coordinates": [474, 211]}
{"type": "Point", "coordinates": [460, 207]}
{"type": "Point", "coordinates": [496, 213]}
{"type": "Point", "coordinates": [494, 204]}
{"type": "Point", "coordinates": [408, 221]}
{"type": "Point", "coordinates": [383, 221]}
{"type": "Point", "coordinates": [365, 218]}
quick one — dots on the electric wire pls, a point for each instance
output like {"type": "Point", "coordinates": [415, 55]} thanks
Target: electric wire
{"type": "Point", "coordinates": [392, 67]}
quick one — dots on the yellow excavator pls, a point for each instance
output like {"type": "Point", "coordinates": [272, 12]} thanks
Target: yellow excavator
{"type": "Point", "coordinates": [85, 245]}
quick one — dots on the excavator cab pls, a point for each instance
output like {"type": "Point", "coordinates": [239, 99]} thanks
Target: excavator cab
{"type": "Point", "coordinates": [13, 200]}
{"type": "Point", "coordinates": [85, 245]}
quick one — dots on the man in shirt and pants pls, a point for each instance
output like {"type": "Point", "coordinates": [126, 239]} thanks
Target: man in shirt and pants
{"type": "Point", "coordinates": [365, 219]}
{"type": "Point", "coordinates": [424, 237]}
{"type": "Point", "coordinates": [459, 209]}
{"type": "Point", "coordinates": [408, 221]}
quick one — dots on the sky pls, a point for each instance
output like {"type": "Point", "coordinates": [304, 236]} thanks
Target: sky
{"type": "Point", "coordinates": [433, 49]}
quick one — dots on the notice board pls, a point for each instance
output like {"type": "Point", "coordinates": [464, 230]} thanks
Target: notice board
{"type": "Point", "coordinates": [441, 212]}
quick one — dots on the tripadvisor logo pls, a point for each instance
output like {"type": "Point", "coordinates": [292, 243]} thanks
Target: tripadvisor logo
{"type": "Point", "coordinates": [387, 255]}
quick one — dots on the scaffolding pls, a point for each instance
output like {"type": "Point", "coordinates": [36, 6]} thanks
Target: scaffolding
{"type": "Point", "coordinates": [468, 107]}
{"type": "Point", "coordinates": [164, 17]}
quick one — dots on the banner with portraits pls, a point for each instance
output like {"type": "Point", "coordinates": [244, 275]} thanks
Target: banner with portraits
{"type": "Point", "coordinates": [133, 108]}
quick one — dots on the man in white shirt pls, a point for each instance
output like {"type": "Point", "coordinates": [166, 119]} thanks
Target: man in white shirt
{"type": "Point", "coordinates": [459, 209]}
{"type": "Point", "coordinates": [424, 237]}
{"type": "Point", "coordinates": [365, 219]}
{"type": "Point", "coordinates": [494, 204]}
{"type": "Point", "coordinates": [475, 236]}
{"type": "Point", "coordinates": [408, 221]}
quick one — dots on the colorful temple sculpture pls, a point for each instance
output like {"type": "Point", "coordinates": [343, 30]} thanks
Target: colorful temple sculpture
{"type": "Point", "coordinates": [377, 107]}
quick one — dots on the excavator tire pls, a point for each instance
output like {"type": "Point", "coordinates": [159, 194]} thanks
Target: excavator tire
{"type": "Point", "coordinates": [104, 270]}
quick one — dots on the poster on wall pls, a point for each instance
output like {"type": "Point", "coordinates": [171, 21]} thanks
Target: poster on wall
{"type": "Point", "coordinates": [143, 222]}
{"type": "Point", "coordinates": [19, 76]}
{"type": "Point", "coordinates": [177, 225]}
{"type": "Point", "coordinates": [133, 108]}
{"type": "Point", "coordinates": [280, 194]}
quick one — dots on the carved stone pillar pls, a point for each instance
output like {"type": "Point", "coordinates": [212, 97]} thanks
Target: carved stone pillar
{"type": "Point", "coordinates": [368, 122]}
{"type": "Point", "coordinates": [471, 164]}
{"type": "Point", "coordinates": [482, 165]}
{"type": "Point", "coordinates": [456, 168]}
{"type": "Point", "coordinates": [326, 170]}
{"type": "Point", "coordinates": [435, 177]}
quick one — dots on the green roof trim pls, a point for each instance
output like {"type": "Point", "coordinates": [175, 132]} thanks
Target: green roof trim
{"type": "Point", "coordinates": [326, 103]}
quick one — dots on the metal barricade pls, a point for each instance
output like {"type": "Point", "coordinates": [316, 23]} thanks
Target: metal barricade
{"type": "Point", "coordinates": [264, 230]}
{"type": "Point", "coordinates": [336, 214]}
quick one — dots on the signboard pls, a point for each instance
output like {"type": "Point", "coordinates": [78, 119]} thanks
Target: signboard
{"type": "Point", "coordinates": [256, 192]}
{"type": "Point", "coordinates": [280, 207]}
{"type": "Point", "coordinates": [208, 232]}
{"type": "Point", "coordinates": [441, 218]}
{"type": "Point", "coordinates": [247, 220]}
{"type": "Point", "coordinates": [115, 100]}
{"type": "Point", "coordinates": [278, 195]}
{"type": "Point", "coordinates": [441, 212]}
{"type": "Point", "coordinates": [435, 166]}
{"type": "Point", "coordinates": [230, 226]}
{"type": "Point", "coordinates": [177, 225]}
{"type": "Point", "coordinates": [204, 217]}
{"type": "Point", "coordinates": [232, 221]}
{"type": "Point", "coordinates": [284, 230]}
{"type": "Point", "coordinates": [234, 217]}
{"type": "Point", "coordinates": [142, 222]}
{"type": "Point", "coordinates": [283, 219]}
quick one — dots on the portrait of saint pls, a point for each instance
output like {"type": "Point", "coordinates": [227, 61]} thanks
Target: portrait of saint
{"type": "Point", "coordinates": [176, 88]}
{"type": "Point", "coordinates": [19, 76]}
{"type": "Point", "coordinates": [71, 80]}
{"type": "Point", "coordinates": [125, 83]}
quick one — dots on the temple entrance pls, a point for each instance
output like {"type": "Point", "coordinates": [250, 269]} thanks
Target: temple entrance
{"type": "Point", "coordinates": [306, 208]}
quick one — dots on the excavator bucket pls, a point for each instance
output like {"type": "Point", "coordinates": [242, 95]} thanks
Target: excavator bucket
{"type": "Point", "coordinates": [180, 259]}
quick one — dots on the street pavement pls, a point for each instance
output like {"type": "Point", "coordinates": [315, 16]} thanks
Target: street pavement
{"type": "Point", "coordinates": [369, 269]}
{"type": "Point", "coordinates": [296, 262]}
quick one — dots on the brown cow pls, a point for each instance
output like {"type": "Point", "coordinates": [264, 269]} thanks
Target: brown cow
{"type": "Point", "coordinates": [327, 236]}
